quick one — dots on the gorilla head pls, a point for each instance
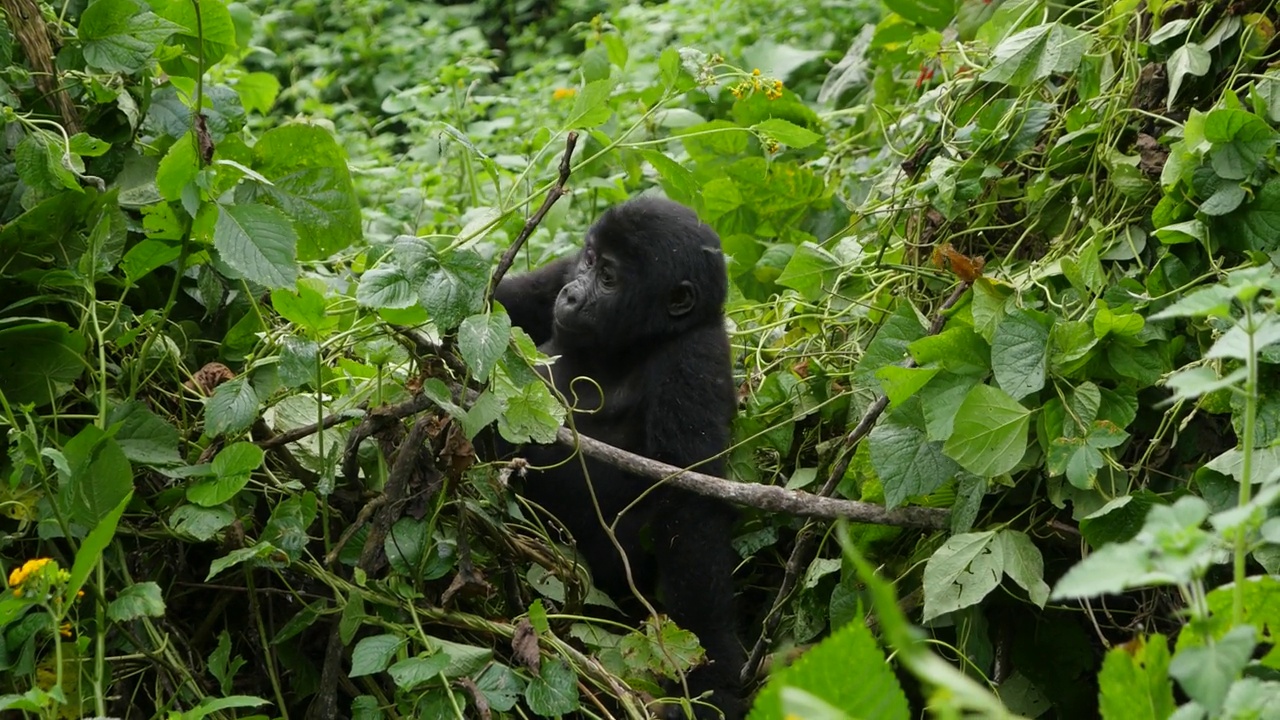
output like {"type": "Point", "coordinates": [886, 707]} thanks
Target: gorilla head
{"type": "Point", "coordinates": [648, 270]}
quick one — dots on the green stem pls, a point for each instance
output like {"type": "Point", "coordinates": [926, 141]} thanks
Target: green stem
{"type": "Point", "coordinates": [1246, 481]}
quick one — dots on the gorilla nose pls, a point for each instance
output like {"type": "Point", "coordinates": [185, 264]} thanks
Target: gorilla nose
{"type": "Point", "coordinates": [569, 296]}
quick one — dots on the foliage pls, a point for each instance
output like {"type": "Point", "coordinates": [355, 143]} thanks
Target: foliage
{"type": "Point", "coordinates": [246, 345]}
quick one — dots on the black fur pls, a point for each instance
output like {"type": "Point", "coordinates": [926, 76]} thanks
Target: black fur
{"type": "Point", "coordinates": [640, 311]}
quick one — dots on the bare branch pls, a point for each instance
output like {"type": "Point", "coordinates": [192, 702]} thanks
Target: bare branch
{"type": "Point", "coordinates": [764, 497]}
{"type": "Point", "coordinates": [557, 191]}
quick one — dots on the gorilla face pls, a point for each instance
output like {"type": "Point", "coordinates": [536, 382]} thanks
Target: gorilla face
{"type": "Point", "coordinates": [615, 299]}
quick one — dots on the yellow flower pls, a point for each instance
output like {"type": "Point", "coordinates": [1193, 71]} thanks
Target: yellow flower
{"type": "Point", "coordinates": [65, 629]}
{"type": "Point", "coordinates": [31, 566]}
{"type": "Point", "coordinates": [756, 72]}
{"type": "Point", "coordinates": [562, 93]}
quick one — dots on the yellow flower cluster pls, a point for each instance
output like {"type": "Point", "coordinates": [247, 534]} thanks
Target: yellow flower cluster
{"type": "Point", "coordinates": [20, 574]}
{"type": "Point", "coordinates": [562, 93]}
{"type": "Point", "coordinates": [34, 572]}
{"type": "Point", "coordinates": [772, 89]}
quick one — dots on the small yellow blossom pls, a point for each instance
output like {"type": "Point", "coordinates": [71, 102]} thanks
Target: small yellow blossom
{"type": "Point", "coordinates": [22, 573]}
{"type": "Point", "coordinates": [562, 93]}
{"type": "Point", "coordinates": [756, 72]}
{"type": "Point", "coordinates": [65, 629]}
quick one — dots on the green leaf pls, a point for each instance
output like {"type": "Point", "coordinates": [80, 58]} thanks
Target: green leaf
{"type": "Point", "coordinates": [823, 672]}
{"type": "Point", "coordinates": [258, 91]}
{"type": "Point", "coordinates": [232, 467]}
{"type": "Point", "coordinates": [453, 287]}
{"type": "Point", "coordinates": [1240, 141]}
{"type": "Point", "coordinates": [144, 436]}
{"type": "Point", "coordinates": [811, 271]}
{"type": "Point", "coordinates": [962, 572]}
{"type": "Point", "coordinates": [533, 415]}
{"type": "Point", "coordinates": [311, 185]}
{"type": "Point", "coordinates": [669, 66]}
{"type": "Point", "coordinates": [236, 557]}
{"type": "Point", "coordinates": [554, 691]}
{"type": "Point", "coordinates": [1134, 682]}
{"type": "Point", "coordinates": [482, 339]}
{"type": "Point", "coordinates": [990, 433]}
{"type": "Point", "coordinates": [178, 168]}
{"type": "Point", "coordinates": [91, 548]}
{"type": "Point", "coordinates": [1036, 53]}
{"type": "Point", "coordinates": [936, 14]}
{"type": "Point", "coordinates": [137, 600]}
{"type": "Point", "coordinates": [40, 362]}
{"type": "Point", "coordinates": [900, 383]}
{"type": "Point", "coordinates": [203, 524]}
{"type": "Point", "coordinates": [119, 36]}
{"type": "Point", "coordinates": [100, 477]}
{"type": "Point", "coordinates": [148, 255]}
{"type": "Point", "coordinates": [259, 243]}
{"type": "Point", "coordinates": [591, 107]}
{"type": "Point", "coordinates": [677, 180]}
{"type": "Point", "coordinates": [40, 163]}
{"type": "Point", "coordinates": [1190, 59]}
{"type": "Point", "coordinates": [213, 24]}
{"type": "Point", "coordinates": [958, 349]}
{"type": "Point", "coordinates": [941, 399]}
{"type": "Point", "coordinates": [373, 654]}
{"type": "Point", "coordinates": [305, 306]}
{"type": "Point", "coordinates": [1024, 564]}
{"type": "Point", "coordinates": [385, 286]}
{"type": "Point", "coordinates": [412, 672]}
{"type": "Point", "coordinates": [1207, 672]}
{"type": "Point", "coordinates": [907, 463]}
{"type": "Point", "coordinates": [1106, 322]}
{"type": "Point", "coordinates": [500, 686]}
{"type": "Point", "coordinates": [232, 408]}
{"type": "Point", "coordinates": [889, 346]}
{"type": "Point", "coordinates": [787, 133]}
{"type": "Point", "coordinates": [299, 361]}
{"type": "Point", "coordinates": [1019, 352]}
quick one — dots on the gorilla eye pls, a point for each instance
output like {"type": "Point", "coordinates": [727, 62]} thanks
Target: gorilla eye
{"type": "Point", "coordinates": [608, 277]}
{"type": "Point", "coordinates": [589, 256]}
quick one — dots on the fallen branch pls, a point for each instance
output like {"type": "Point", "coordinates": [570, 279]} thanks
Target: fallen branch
{"type": "Point", "coordinates": [762, 497]}
{"type": "Point", "coordinates": [557, 191]}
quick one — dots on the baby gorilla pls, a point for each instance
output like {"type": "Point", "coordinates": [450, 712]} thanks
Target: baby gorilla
{"type": "Point", "coordinates": [639, 311]}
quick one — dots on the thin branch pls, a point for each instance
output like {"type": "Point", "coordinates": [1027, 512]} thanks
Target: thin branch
{"type": "Point", "coordinates": [557, 191]}
{"type": "Point", "coordinates": [808, 536]}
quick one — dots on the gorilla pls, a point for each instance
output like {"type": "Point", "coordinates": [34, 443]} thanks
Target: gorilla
{"type": "Point", "coordinates": [636, 323]}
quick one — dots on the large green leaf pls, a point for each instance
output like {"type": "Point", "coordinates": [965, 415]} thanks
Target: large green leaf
{"type": "Point", "coordinates": [936, 14]}
{"type": "Point", "coordinates": [1036, 53]}
{"type": "Point", "coordinates": [39, 362]}
{"type": "Point", "coordinates": [100, 477]}
{"type": "Point", "coordinates": [258, 242]}
{"type": "Point", "coordinates": [1020, 351]}
{"type": "Point", "coordinates": [453, 286]}
{"type": "Point", "coordinates": [119, 36]}
{"type": "Point", "coordinates": [906, 462]}
{"type": "Point", "coordinates": [310, 182]}
{"type": "Point", "coordinates": [482, 339]}
{"type": "Point", "coordinates": [990, 432]}
{"type": "Point", "coordinates": [1134, 682]}
{"type": "Point", "coordinates": [823, 672]}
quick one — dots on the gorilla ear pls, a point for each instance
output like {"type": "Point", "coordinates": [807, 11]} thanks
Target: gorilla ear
{"type": "Point", "coordinates": [683, 299]}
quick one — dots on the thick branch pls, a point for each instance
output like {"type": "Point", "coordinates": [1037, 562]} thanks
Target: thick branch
{"type": "Point", "coordinates": [558, 191]}
{"type": "Point", "coordinates": [764, 497]}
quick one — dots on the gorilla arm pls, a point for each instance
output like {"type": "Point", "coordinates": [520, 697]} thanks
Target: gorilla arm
{"type": "Point", "coordinates": [530, 298]}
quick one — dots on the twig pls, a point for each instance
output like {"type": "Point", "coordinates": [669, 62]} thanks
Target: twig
{"type": "Point", "coordinates": [807, 538]}
{"type": "Point", "coordinates": [557, 191]}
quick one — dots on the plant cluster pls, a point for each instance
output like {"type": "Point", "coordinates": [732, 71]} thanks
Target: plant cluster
{"type": "Point", "coordinates": [1002, 262]}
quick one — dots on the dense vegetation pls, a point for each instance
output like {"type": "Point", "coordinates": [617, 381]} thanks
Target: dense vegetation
{"type": "Point", "coordinates": [1004, 281]}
